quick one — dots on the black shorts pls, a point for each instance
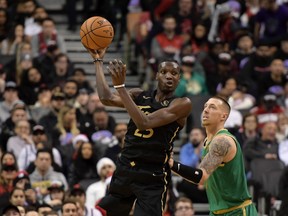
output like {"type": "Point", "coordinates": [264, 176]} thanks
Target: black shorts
{"type": "Point", "coordinates": [146, 185]}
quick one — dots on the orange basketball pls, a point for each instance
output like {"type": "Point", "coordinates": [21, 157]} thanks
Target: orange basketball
{"type": "Point", "coordinates": [96, 33]}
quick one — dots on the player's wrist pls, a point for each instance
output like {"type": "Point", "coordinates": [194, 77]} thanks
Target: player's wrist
{"type": "Point", "coordinates": [119, 86]}
{"type": "Point", "coordinates": [97, 60]}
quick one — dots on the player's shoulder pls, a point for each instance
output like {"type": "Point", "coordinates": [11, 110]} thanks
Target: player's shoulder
{"type": "Point", "coordinates": [135, 92]}
{"type": "Point", "coordinates": [224, 139]}
{"type": "Point", "coordinates": [182, 101]}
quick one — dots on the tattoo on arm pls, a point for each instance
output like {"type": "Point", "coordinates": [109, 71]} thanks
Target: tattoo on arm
{"type": "Point", "coordinates": [218, 149]}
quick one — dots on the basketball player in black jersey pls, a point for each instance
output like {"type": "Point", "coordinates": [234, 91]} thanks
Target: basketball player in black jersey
{"type": "Point", "coordinates": [142, 173]}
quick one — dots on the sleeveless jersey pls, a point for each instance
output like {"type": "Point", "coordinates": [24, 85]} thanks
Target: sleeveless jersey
{"type": "Point", "coordinates": [227, 186]}
{"type": "Point", "coordinates": [151, 146]}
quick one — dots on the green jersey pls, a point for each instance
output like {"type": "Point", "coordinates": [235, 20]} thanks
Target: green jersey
{"type": "Point", "coordinates": [227, 185]}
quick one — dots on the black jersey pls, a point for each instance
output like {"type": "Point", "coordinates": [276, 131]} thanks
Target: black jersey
{"type": "Point", "coordinates": [153, 145]}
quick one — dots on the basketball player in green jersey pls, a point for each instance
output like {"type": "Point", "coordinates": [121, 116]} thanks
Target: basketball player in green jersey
{"type": "Point", "coordinates": [221, 169]}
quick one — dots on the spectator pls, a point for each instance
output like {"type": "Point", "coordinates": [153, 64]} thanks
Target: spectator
{"type": "Point", "coordinates": [264, 147]}
{"type": "Point", "coordinates": [190, 152]}
{"type": "Point", "coordinates": [283, 151]}
{"type": "Point", "coordinates": [49, 121]}
{"type": "Point", "coordinates": [268, 110]}
{"type": "Point", "coordinates": [244, 48]}
{"type": "Point", "coordinates": [168, 43]}
{"type": "Point", "coordinates": [8, 158]}
{"type": "Point", "coordinates": [11, 210]}
{"type": "Point", "coordinates": [56, 195]}
{"type": "Point", "coordinates": [270, 20]}
{"type": "Point", "coordinates": [42, 106]}
{"type": "Point", "coordinates": [62, 70]}
{"type": "Point", "coordinates": [10, 45]}
{"type": "Point", "coordinates": [70, 89]}
{"type": "Point", "coordinates": [29, 88]}
{"type": "Point", "coordinates": [82, 112]}
{"type": "Point", "coordinates": [4, 24]}
{"type": "Point", "coordinates": [190, 155]}
{"type": "Point", "coordinates": [42, 208]}
{"type": "Point", "coordinates": [114, 149]}
{"type": "Point", "coordinates": [184, 207]}
{"type": "Point", "coordinates": [66, 128]}
{"type": "Point", "coordinates": [240, 99]}
{"type": "Point", "coordinates": [7, 174]}
{"type": "Point", "coordinates": [79, 75]}
{"type": "Point", "coordinates": [69, 208]}
{"type": "Point", "coordinates": [83, 167]}
{"type": "Point", "coordinates": [256, 66]}
{"type": "Point", "coordinates": [101, 121]}
{"type": "Point", "coordinates": [22, 181]}
{"type": "Point", "coordinates": [18, 113]}
{"type": "Point", "coordinates": [282, 124]}
{"type": "Point", "coordinates": [10, 96]}
{"type": "Point", "coordinates": [275, 80]}
{"type": "Point", "coordinates": [283, 190]}
{"type": "Point", "coordinates": [17, 197]}
{"type": "Point", "coordinates": [39, 42]}
{"type": "Point", "coordinates": [282, 52]}
{"type": "Point", "coordinates": [192, 82]}
{"type": "Point", "coordinates": [248, 129]}
{"type": "Point", "coordinates": [21, 139]}
{"type": "Point", "coordinates": [96, 191]}
{"type": "Point", "coordinates": [78, 193]}
{"type": "Point", "coordinates": [38, 141]}
{"type": "Point", "coordinates": [199, 40]}
{"type": "Point", "coordinates": [44, 174]}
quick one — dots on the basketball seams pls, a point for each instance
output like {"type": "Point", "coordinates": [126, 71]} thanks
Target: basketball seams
{"type": "Point", "coordinates": [91, 40]}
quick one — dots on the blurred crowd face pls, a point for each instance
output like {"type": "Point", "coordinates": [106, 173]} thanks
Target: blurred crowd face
{"type": "Point", "coordinates": [18, 197]}
{"type": "Point", "coordinates": [8, 159]}
{"type": "Point", "coordinates": [10, 95]}
{"type": "Point", "coordinates": [196, 136]}
{"type": "Point", "coordinates": [86, 150]}
{"type": "Point", "coordinates": [245, 43]}
{"type": "Point", "coordinates": [3, 17]}
{"type": "Point", "coordinates": [263, 51]}
{"type": "Point", "coordinates": [48, 28]}
{"type": "Point", "coordinates": [284, 46]}
{"type": "Point", "coordinates": [184, 209]}
{"type": "Point", "coordinates": [185, 6]}
{"type": "Point", "coordinates": [101, 119]}
{"type": "Point", "coordinates": [70, 116]}
{"type": "Point", "coordinates": [70, 89]}
{"type": "Point", "coordinates": [94, 102]}
{"type": "Point", "coordinates": [277, 67]}
{"type": "Point", "coordinates": [83, 99]}
{"type": "Point", "coordinates": [169, 24]}
{"type": "Point", "coordinates": [61, 65]}
{"type": "Point", "coordinates": [58, 103]}
{"type": "Point", "coordinates": [106, 170]}
{"type": "Point", "coordinates": [269, 131]}
{"type": "Point", "coordinates": [120, 131]}
{"type": "Point", "coordinates": [40, 13]}
{"type": "Point", "coordinates": [250, 123]}
{"type": "Point", "coordinates": [19, 31]}
{"type": "Point", "coordinates": [200, 31]}
{"type": "Point", "coordinates": [22, 128]}
{"type": "Point", "coordinates": [19, 114]}
{"type": "Point", "coordinates": [34, 75]}
{"type": "Point", "coordinates": [69, 209]}
{"type": "Point", "coordinates": [43, 161]}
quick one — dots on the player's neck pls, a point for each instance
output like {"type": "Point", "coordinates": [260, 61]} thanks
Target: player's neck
{"type": "Point", "coordinates": [160, 96]}
{"type": "Point", "coordinates": [212, 131]}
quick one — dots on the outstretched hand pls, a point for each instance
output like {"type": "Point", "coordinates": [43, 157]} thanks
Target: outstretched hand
{"type": "Point", "coordinates": [97, 54]}
{"type": "Point", "coordinates": [117, 71]}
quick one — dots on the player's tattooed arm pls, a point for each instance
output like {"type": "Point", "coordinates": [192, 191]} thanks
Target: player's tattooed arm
{"type": "Point", "coordinates": [218, 150]}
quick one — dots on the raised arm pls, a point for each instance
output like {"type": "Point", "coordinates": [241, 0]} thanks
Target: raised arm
{"type": "Point", "coordinates": [221, 149]}
{"type": "Point", "coordinates": [107, 97]}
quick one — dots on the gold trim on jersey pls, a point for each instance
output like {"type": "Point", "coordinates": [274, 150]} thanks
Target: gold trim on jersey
{"type": "Point", "coordinates": [243, 205]}
{"type": "Point", "coordinates": [165, 189]}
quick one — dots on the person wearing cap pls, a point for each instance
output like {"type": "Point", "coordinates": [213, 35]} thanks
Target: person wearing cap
{"type": "Point", "coordinates": [96, 191]}
{"type": "Point", "coordinates": [39, 140]}
{"type": "Point", "coordinates": [7, 174]}
{"type": "Point", "coordinates": [78, 193]}
{"type": "Point", "coordinates": [268, 109]}
{"type": "Point", "coordinates": [192, 82]}
{"type": "Point", "coordinates": [49, 120]}
{"type": "Point", "coordinates": [10, 210]}
{"type": "Point", "coordinates": [10, 95]}
{"type": "Point", "coordinates": [56, 195]}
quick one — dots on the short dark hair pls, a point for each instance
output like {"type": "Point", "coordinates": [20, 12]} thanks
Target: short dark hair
{"type": "Point", "coordinates": [226, 104]}
{"type": "Point", "coordinates": [45, 150]}
{"type": "Point", "coordinates": [68, 201]}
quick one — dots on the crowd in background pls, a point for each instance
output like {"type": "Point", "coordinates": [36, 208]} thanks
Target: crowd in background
{"type": "Point", "coordinates": [59, 144]}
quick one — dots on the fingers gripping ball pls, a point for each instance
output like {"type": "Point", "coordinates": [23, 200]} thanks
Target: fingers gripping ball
{"type": "Point", "coordinates": [96, 33]}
